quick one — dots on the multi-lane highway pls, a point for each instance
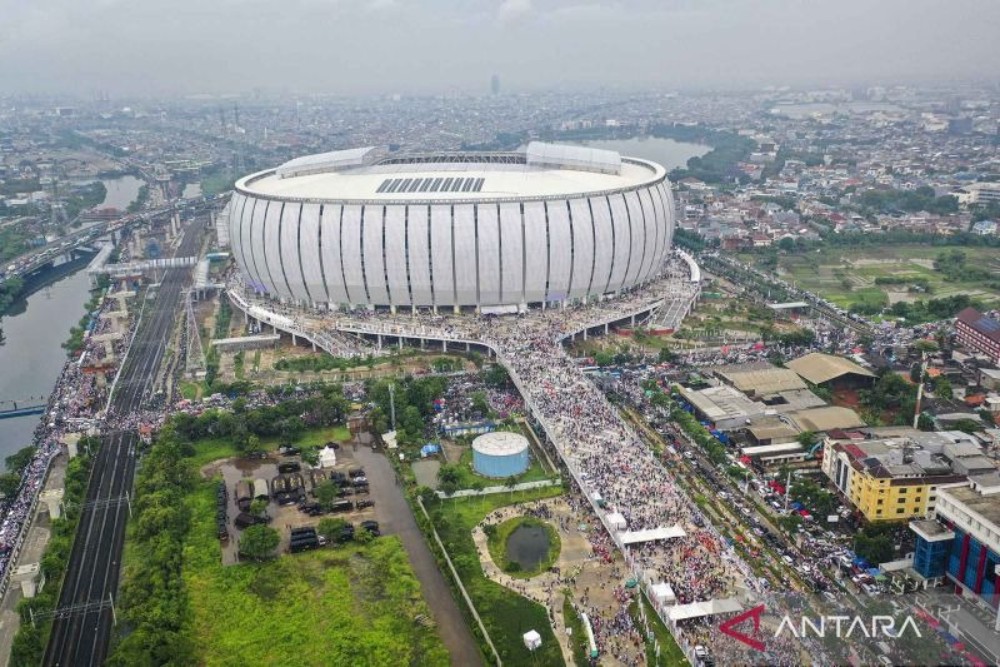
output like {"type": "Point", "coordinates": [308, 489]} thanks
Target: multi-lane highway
{"type": "Point", "coordinates": [82, 627]}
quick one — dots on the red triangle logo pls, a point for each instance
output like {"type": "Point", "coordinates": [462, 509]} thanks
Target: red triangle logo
{"type": "Point", "coordinates": [727, 627]}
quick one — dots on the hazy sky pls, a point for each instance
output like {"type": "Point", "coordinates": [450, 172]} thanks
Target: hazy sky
{"type": "Point", "coordinates": [361, 46]}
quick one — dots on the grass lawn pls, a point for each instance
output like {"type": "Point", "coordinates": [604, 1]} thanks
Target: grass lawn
{"type": "Point", "coordinates": [213, 449]}
{"type": "Point", "coordinates": [670, 653]}
{"type": "Point", "coordinates": [191, 390]}
{"type": "Point", "coordinates": [506, 615]}
{"type": "Point", "coordinates": [351, 605]}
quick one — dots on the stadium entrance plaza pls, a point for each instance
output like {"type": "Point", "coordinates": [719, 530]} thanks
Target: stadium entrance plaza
{"type": "Point", "coordinates": [603, 454]}
{"type": "Point", "coordinates": [578, 570]}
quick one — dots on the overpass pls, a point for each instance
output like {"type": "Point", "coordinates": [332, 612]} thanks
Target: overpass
{"type": "Point", "coordinates": [30, 263]}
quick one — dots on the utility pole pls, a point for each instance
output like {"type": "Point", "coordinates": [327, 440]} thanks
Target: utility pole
{"type": "Point", "coordinates": [920, 390]}
{"type": "Point", "coordinates": [392, 405]}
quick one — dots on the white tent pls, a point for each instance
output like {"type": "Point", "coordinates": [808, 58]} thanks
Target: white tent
{"type": "Point", "coordinates": [532, 640]}
{"type": "Point", "coordinates": [327, 457]}
{"type": "Point", "coordinates": [617, 521]}
{"type": "Point", "coordinates": [663, 593]}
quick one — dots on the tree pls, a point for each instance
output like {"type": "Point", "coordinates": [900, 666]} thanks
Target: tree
{"type": "Point", "coordinates": [330, 528]}
{"type": "Point", "coordinates": [510, 483]}
{"type": "Point", "coordinates": [326, 493]}
{"type": "Point", "coordinates": [258, 507]}
{"type": "Point", "coordinates": [19, 460]}
{"type": "Point", "coordinates": [666, 355]}
{"type": "Point", "coordinates": [877, 549]}
{"type": "Point", "coordinates": [426, 495]}
{"type": "Point", "coordinates": [942, 388]}
{"type": "Point", "coordinates": [449, 473]}
{"type": "Point", "coordinates": [807, 438]}
{"type": "Point", "coordinates": [364, 537]}
{"type": "Point", "coordinates": [9, 484]}
{"type": "Point", "coordinates": [259, 542]}
{"type": "Point", "coordinates": [787, 244]}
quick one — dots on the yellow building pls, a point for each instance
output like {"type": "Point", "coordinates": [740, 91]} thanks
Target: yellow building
{"type": "Point", "coordinates": [892, 479]}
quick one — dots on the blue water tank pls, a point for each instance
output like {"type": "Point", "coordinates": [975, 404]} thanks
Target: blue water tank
{"type": "Point", "coordinates": [500, 454]}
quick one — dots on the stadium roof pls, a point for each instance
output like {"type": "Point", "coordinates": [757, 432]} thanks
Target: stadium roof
{"type": "Point", "coordinates": [372, 175]}
{"type": "Point", "coordinates": [819, 368]}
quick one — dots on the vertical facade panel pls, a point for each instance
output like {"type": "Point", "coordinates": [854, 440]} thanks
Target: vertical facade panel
{"type": "Point", "coordinates": [465, 255]}
{"type": "Point", "coordinates": [489, 254]}
{"type": "Point", "coordinates": [269, 259]}
{"type": "Point", "coordinates": [309, 246]}
{"type": "Point", "coordinates": [350, 249]}
{"type": "Point", "coordinates": [560, 251]}
{"type": "Point", "coordinates": [374, 266]}
{"type": "Point", "coordinates": [442, 270]}
{"type": "Point", "coordinates": [536, 254]}
{"type": "Point", "coordinates": [511, 254]}
{"type": "Point", "coordinates": [623, 241]}
{"type": "Point", "coordinates": [238, 210]}
{"type": "Point", "coordinates": [666, 217]}
{"type": "Point", "coordinates": [671, 214]}
{"type": "Point", "coordinates": [395, 253]}
{"type": "Point", "coordinates": [639, 249]}
{"type": "Point", "coordinates": [605, 246]}
{"type": "Point", "coordinates": [254, 241]}
{"type": "Point", "coordinates": [291, 260]}
{"type": "Point", "coordinates": [418, 240]}
{"type": "Point", "coordinates": [652, 231]}
{"type": "Point", "coordinates": [331, 265]}
{"type": "Point", "coordinates": [656, 193]}
{"type": "Point", "coordinates": [583, 246]}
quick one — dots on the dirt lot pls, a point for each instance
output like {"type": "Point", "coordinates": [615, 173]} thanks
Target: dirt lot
{"type": "Point", "coordinates": [284, 517]}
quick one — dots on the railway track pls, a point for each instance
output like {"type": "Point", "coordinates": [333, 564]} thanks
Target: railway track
{"type": "Point", "coordinates": [81, 629]}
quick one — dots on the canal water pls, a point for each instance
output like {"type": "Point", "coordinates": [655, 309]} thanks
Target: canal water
{"type": "Point", "coordinates": [32, 357]}
{"type": "Point", "coordinates": [121, 192]}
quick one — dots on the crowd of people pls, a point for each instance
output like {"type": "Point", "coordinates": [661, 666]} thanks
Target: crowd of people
{"type": "Point", "coordinates": [77, 400]}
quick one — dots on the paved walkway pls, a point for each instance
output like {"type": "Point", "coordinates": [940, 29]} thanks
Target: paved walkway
{"type": "Point", "coordinates": [489, 490]}
{"type": "Point", "coordinates": [396, 518]}
{"type": "Point", "coordinates": [34, 548]}
{"type": "Point", "coordinates": [575, 563]}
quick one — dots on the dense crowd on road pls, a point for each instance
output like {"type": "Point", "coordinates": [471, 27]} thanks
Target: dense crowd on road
{"type": "Point", "coordinates": [77, 400]}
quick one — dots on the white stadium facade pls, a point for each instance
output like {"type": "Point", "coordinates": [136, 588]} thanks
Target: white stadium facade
{"type": "Point", "coordinates": [493, 232]}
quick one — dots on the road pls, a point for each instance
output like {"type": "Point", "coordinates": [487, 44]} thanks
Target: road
{"type": "Point", "coordinates": [81, 631]}
{"type": "Point", "coordinates": [396, 518]}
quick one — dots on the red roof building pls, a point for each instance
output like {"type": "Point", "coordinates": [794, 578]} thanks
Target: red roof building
{"type": "Point", "coordinates": [979, 333]}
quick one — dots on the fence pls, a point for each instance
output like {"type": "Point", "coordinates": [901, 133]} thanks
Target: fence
{"type": "Point", "coordinates": [458, 581]}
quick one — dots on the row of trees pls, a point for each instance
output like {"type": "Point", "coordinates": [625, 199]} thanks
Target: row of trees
{"type": "Point", "coordinates": [287, 420]}
{"type": "Point", "coordinates": [153, 600]}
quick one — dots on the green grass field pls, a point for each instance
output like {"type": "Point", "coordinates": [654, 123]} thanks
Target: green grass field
{"type": "Point", "coordinates": [847, 276]}
{"type": "Point", "coordinates": [213, 449]}
{"type": "Point", "coordinates": [351, 605]}
{"type": "Point", "coordinates": [506, 615]}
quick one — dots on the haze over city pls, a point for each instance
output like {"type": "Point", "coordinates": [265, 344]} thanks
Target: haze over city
{"type": "Point", "coordinates": [401, 46]}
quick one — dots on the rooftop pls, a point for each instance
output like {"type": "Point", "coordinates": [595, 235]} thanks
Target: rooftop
{"type": "Point", "coordinates": [818, 368]}
{"type": "Point", "coordinates": [754, 380]}
{"type": "Point", "coordinates": [365, 175]}
{"type": "Point", "coordinates": [987, 326]}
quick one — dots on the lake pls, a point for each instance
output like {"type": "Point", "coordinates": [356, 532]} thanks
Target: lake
{"type": "Point", "coordinates": [667, 152]}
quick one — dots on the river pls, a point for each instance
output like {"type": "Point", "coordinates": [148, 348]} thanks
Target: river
{"type": "Point", "coordinates": [32, 356]}
{"type": "Point", "coordinates": [121, 192]}
{"type": "Point", "coordinates": [667, 152]}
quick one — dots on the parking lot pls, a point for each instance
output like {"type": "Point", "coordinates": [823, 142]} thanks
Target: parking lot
{"type": "Point", "coordinates": [285, 516]}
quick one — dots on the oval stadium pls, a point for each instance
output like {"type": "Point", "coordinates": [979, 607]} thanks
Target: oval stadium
{"type": "Point", "coordinates": [545, 226]}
